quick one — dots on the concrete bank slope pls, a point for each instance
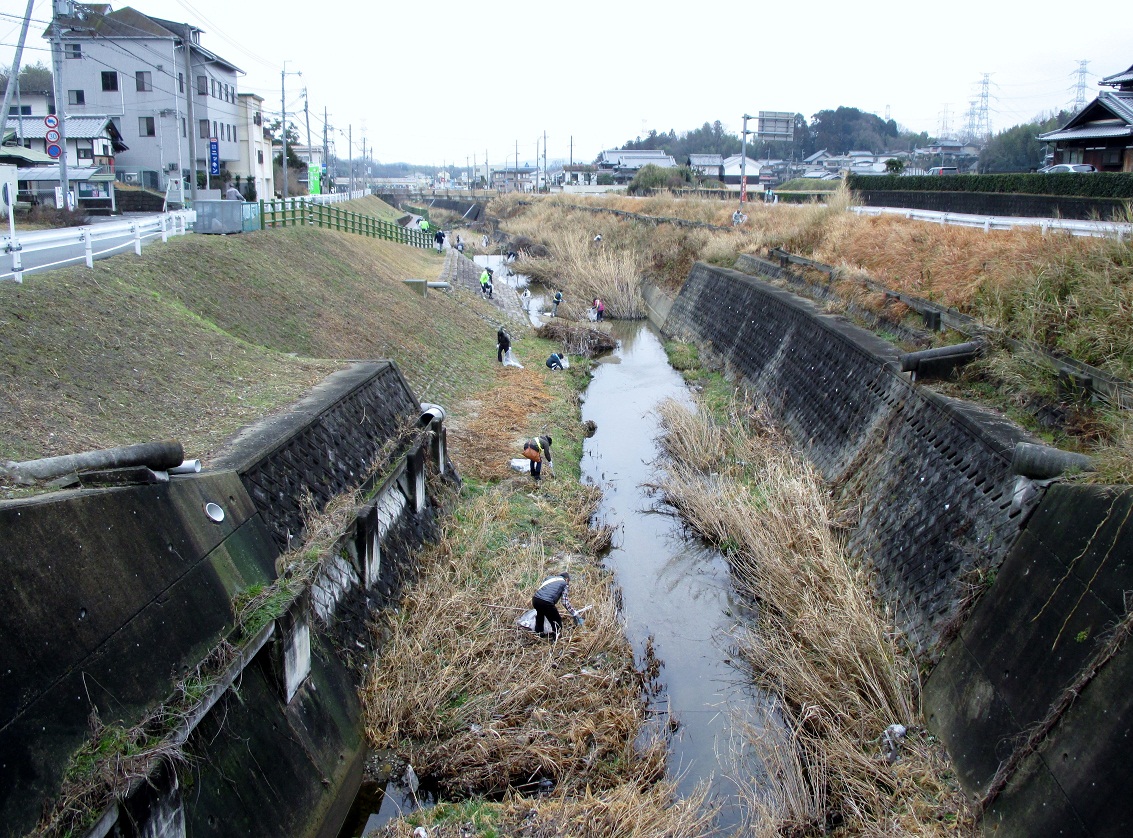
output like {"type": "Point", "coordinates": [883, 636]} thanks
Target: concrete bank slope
{"type": "Point", "coordinates": [942, 514]}
{"type": "Point", "coordinates": [117, 594]}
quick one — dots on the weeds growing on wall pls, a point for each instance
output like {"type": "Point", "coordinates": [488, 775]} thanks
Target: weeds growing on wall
{"type": "Point", "coordinates": [820, 645]}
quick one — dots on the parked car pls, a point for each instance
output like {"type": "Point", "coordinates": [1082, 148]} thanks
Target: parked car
{"type": "Point", "coordinates": [1064, 168]}
{"type": "Point", "coordinates": [943, 170]}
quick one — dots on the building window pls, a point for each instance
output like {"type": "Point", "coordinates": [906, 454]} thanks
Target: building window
{"type": "Point", "coordinates": [183, 127]}
{"type": "Point", "coordinates": [109, 80]}
{"type": "Point", "coordinates": [212, 87]}
{"type": "Point", "coordinates": [204, 129]}
{"type": "Point", "coordinates": [84, 153]}
{"type": "Point", "coordinates": [146, 127]}
{"type": "Point", "coordinates": [73, 50]}
{"type": "Point", "coordinates": [76, 97]}
{"type": "Point", "coordinates": [226, 93]}
{"type": "Point", "coordinates": [180, 82]}
{"type": "Point", "coordinates": [234, 137]}
{"type": "Point", "coordinates": [214, 134]}
{"type": "Point", "coordinates": [260, 156]}
{"type": "Point", "coordinates": [202, 86]}
{"type": "Point", "coordinates": [144, 81]}
{"type": "Point", "coordinates": [22, 110]}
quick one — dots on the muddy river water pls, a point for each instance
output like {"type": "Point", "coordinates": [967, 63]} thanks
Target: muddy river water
{"type": "Point", "coordinates": [675, 589]}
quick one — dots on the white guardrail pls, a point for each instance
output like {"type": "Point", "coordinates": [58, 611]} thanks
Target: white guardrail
{"type": "Point", "coordinates": [988, 223]}
{"type": "Point", "coordinates": [336, 197]}
{"type": "Point", "coordinates": [49, 249]}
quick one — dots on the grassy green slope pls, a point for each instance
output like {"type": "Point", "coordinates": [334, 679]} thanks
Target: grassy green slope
{"type": "Point", "coordinates": [201, 336]}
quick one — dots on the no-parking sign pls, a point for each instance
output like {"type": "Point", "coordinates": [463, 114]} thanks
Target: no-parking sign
{"type": "Point", "coordinates": [54, 150]}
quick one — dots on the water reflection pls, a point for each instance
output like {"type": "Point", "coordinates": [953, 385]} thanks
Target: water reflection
{"type": "Point", "coordinates": [674, 588]}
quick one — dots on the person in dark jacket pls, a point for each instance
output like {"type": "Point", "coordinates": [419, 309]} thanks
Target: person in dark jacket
{"type": "Point", "coordinates": [439, 238]}
{"type": "Point", "coordinates": [503, 344]}
{"type": "Point", "coordinates": [537, 450]}
{"type": "Point", "coordinates": [555, 303]}
{"type": "Point", "coordinates": [550, 591]}
{"type": "Point", "coordinates": [555, 362]}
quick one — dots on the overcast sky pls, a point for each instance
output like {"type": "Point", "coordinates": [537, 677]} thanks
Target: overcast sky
{"type": "Point", "coordinates": [442, 81]}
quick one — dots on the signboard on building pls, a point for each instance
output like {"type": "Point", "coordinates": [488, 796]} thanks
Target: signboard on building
{"type": "Point", "coordinates": [214, 156]}
{"type": "Point", "coordinates": [314, 179]}
{"type": "Point", "coordinates": [776, 125]}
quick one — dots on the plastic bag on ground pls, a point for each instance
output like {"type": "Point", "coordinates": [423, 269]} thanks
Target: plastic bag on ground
{"type": "Point", "coordinates": [510, 361]}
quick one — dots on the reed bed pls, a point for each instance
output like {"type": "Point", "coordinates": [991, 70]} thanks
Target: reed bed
{"type": "Point", "coordinates": [629, 810]}
{"type": "Point", "coordinates": [820, 645]}
{"type": "Point", "coordinates": [466, 696]}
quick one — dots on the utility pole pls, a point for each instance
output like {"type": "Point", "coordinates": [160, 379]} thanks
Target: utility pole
{"type": "Point", "coordinates": [61, 8]}
{"type": "Point", "coordinates": [310, 151]}
{"type": "Point", "coordinates": [14, 77]}
{"type": "Point", "coordinates": [350, 150]}
{"type": "Point", "coordinates": [326, 149]}
{"type": "Point", "coordinates": [743, 164]}
{"type": "Point", "coordinates": [365, 168]}
{"type": "Point", "coordinates": [516, 165]}
{"type": "Point", "coordinates": [548, 185]}
{"type": "Point", "coordinates": [283, 121]}
{"type": "Point", "coordinates": [190, 109]}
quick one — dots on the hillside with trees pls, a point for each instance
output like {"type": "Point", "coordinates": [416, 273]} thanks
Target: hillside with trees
{"type": "Point", "coordinates": [1016, 149]}
{"type": "Point", "coordinates": [838, 130]}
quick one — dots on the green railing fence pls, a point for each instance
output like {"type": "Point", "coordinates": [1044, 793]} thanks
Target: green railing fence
{"type": "Point", "coordinates": [297, 212]}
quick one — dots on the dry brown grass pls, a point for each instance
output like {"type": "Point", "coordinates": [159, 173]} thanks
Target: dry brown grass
{"type": "Point", "coordinates": [629, 810]}
{"type": "Point", "coordinates": [821, 645]}
{"type": "Point", "coordinates": [488, 429]}
{"type": "Point", "coordinates": [465, 695]}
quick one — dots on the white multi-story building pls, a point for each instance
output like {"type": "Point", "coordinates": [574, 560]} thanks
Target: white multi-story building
{"type": "Point", "coordinates": [158, 84]}
{"type": "Point", "coordinates": [255, 163]}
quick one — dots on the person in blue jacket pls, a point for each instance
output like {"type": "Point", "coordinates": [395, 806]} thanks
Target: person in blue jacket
{"type": "Point", "coordinates": [550, 591]}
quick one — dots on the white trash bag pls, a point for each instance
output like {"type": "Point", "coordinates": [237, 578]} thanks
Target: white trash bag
{"type": "Point", "coordinates": [509, 360]}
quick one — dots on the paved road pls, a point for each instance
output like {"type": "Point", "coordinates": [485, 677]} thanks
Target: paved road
{"type": "Point", "coordinates": [47, 249]}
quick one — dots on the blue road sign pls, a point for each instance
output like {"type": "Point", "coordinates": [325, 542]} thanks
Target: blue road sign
{"type": "Point", "coordinates": [214, 156]}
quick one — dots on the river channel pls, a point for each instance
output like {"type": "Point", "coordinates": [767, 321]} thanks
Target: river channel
{"type": "Point", "coordinates": [676, 592]}
{"type": "Point", "coordinates": [675, 589]}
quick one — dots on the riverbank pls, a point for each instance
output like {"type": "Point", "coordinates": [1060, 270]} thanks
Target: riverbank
{"type": "Point", "coordinates": [486, 711]}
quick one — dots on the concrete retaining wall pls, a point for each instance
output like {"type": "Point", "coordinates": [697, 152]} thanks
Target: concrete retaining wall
{"type": "Point", "coordinates": [117, 593]}
{"type": "Point", "coordinates": [1038, 653]}
{"type": "Point", "coordinates": [933, 476]}
{"type": "Point", "coordinates": [1033, 691]}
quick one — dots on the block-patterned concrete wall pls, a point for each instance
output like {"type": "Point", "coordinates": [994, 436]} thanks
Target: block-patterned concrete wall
{"type": "Point", "coordinates": [111, 595]}
{"type": "Point", "coordinates": [932, 476]}
{"type": "Point", "coordinates": [323, 445]}
{"type": "Point", "coordinates": [1039, 683]}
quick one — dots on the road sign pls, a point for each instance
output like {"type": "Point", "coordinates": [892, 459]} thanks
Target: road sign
{"type": "Point", "coordinates": [214, 156]}
{"type": "Point", "coordinates": [54, 150]}
{"type": "Point", "coordinates": [52, 135]}
{"type": "Point", "coordinates": [51, 121]}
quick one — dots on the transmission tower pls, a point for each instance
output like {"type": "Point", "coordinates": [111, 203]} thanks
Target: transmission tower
{"type": "Point", "coordinates": [972, 117]}
{"type": "Point", "coordinates": [983, 119]}
{"type": "Point", "coordinates": [1080, 87]}
{"type": "Point", "coordinates": [945, 123]}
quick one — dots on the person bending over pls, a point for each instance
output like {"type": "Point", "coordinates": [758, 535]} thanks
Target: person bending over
{"type": "Point", "coordinates": [550, 591]}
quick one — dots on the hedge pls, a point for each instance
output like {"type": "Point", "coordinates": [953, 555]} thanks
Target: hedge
{"type": "Point", "coordinates": [1091, 185]}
